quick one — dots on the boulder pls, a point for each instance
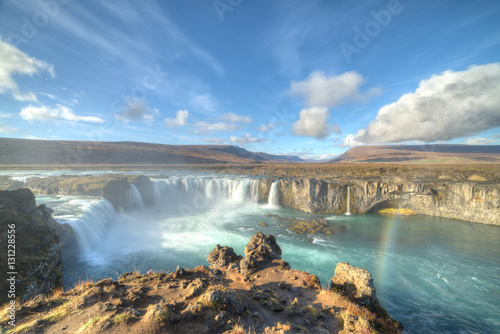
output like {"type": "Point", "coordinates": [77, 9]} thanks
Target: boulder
{"type": "Point", "coordinates": [259, 252]}
{"type": "Point", "coordinates": [357, 284]}
{"type": "Point", "coordinates": [222, 257]}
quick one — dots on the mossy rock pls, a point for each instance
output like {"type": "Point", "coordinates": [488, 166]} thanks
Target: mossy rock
{"type": "Point", "coordinates": [314, 227]}
{"type": "Point", "coordinates": [262, 224]}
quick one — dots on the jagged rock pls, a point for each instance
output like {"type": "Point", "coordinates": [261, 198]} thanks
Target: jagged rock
{"type": "Point", "coordinates": [223, 299]}
{"type": "Point", "coordinates": [38, 260]}
{"type": "Point", "coordinates": [222, 257]}
{"type": "Point", "coordinates": [354, 324]}
{"type": "Point", "coordinates": [357, 283]}
{"type": "Point", "coordinates": [259, 251]}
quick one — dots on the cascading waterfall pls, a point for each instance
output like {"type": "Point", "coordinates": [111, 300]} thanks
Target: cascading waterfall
{"type": "Point", "coordinates": [348, 206]}
{"type": "Point", "coordinates": [172, 197]}
{"type": "Point", "coordinates": [134, 198]}
{"type": "Point", "coordinates": [91, 229]}
{"type": "Point", "coordinates": [274, 200]}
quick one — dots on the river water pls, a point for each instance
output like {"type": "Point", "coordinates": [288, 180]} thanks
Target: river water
{"type": "Point", "coordinates": [434, 275]}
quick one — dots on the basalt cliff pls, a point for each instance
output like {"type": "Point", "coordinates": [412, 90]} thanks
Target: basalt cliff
{"type": "Point", "coordinates": [471, 200]}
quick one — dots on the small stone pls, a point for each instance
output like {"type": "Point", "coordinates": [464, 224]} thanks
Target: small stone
{"type": "Point", "coordinates": [276, 308]}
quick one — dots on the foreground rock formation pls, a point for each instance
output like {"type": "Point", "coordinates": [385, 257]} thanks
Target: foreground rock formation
{"type": "Point", "coordinates": [36, 262]}
{"type": "Point", "coordinates": [258, 293]}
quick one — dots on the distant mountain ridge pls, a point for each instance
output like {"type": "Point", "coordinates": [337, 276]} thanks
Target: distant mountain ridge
{"type": "Point", "coordinates": [434, 153]}
{"type": "Point", "coordinates": [56, 152]}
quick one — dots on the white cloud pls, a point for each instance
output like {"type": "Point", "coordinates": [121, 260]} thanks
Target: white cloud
{"type": "Point", "coordinates": [322, 91]}
{"type": "Point", "coordinates": [233, 118]}
{"type": "Point", "coordinates": [312, 123]}
{"type": "Point", "coordinates": [43, 113]}
{"type": "Point", "coordinates": [16, 62]}
{"type": "Point", "coordinates": [327, 156]}
{"type": "Point", "coordinates": [479, 141]}
{"type": "Point", "coordinates": [135, 110]}
{"type": "Point", "coordinates": [247, 139]}
{"type": "Point", "coordinates": [181, 117]}
{"type": "Point", "coordinates": [7, 129]}
{"type": "Point", "coordinates": [266, 127]}
{"type": "Point", "coordinates": [204, 127]}
{"type": "Point", "coordinates": [449, 105]}
{"type": "Point", "coordinates": [34, 138]}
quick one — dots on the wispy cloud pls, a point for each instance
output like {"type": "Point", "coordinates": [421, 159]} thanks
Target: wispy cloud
{"type": "Point", "coordinates": [247, 139]}
{"type": "Point", "coordinates": [205, 127]}
{"type": "Point", "coordinates": [479, 141]}
{"type": "Point", "coordinates": [203, 102]}
{"type": "Point", "coordinates": [16, 62]}
{"type": "Point", "coordinates": [7, 129]}
{"type": "Point", "coordinates": [266, 127]}
{"type": "Point", "coordinates": [44, 113]}
{"type": "Point", "coordinates": [233, 118]}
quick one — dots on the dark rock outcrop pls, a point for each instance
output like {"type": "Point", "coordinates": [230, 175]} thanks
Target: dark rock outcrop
{"type": "Point", "coordinates": [357, 284]}
{"type": "Point", "coordinates": [115, 192]}
{"type": "Point", "coordinates": [260, 251]}
{"type": "Point", "coordinates": [221, 257]}
{"type": "Point", "coordinates": [38, 262]}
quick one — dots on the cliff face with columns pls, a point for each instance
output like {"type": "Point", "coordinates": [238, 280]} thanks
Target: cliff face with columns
{"type": "Point", "coordinates": [473, 201]}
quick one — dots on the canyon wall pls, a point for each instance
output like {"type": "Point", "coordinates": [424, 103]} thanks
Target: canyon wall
{"type": "Point", "coordinates": [474, 201]}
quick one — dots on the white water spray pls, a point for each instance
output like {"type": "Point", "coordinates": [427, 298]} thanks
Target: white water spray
{"type": "Point", "coordinates": [348, 207]}
{"type": "Point", "coordinates": [134, 198]}
{"type": "Point", "coordinates": [274, 200]}
{"type": "Point", "coordinates": [173, 197]}
{"type": "Point", "coordinates": [91, 229]}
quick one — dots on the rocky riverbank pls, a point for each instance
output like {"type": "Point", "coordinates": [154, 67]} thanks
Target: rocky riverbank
{"type": "Point", "coordinates": [254, 293]}
{"type": "Point", "coordinates": [31, 247]}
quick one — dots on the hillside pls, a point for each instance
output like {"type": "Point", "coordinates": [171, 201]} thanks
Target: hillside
{"type": "Point", "coordinates": [48, 152]}
{"type": "Point", "coordinates": [421, 154]}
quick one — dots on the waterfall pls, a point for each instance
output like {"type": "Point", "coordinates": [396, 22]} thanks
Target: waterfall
{"type": "Point", "coordinates": [348, 207]}
{"type": "Point", "coordinates": [173, 197]}
{"type": "Point", "coordinates": [91, 229]}
{"type": "Point", "coordinates": [134, 198]}
{"type": "Point", "coordinates": [274, 199]}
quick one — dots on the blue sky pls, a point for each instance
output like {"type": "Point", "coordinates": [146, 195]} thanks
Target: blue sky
{"type": "Point", "coordinates": [309, 78]}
